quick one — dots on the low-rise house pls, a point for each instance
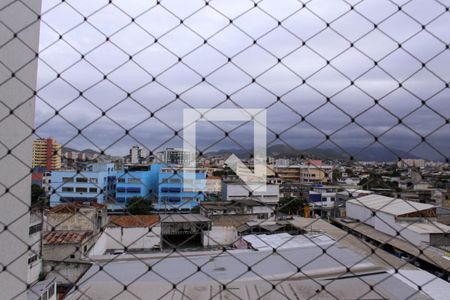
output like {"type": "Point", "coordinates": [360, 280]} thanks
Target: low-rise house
{"type": "Point", "coordinates": [251, 207]}
{"type": "Point", "coordinates": [43, 290]}
{"type": "Point", "coordinates": [82, 216]}
{"type": "Point", "coordinates": [65, 246]}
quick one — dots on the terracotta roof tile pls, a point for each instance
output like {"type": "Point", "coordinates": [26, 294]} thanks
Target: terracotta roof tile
{"type": "Point", "coordinates": [66, 237]}
{"type": "Point", "coordinates": [72, 207]}
{"type": "Point", "coordinates": [134, 221]}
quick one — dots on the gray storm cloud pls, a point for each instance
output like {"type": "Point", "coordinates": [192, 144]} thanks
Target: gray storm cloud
{"type": "Point", "coordinates": [313, 79]}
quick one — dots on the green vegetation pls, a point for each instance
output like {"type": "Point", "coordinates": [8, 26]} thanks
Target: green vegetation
{"type": "Point", "coordinates": [292, 206]}
{"type": "Point", "coordinates": [38, 198]}
{"type": "Point", "coordinates": [139, 206]}
{"type": "Point", "coordinates": [374, 181]}
{"type": "Point", "coordinates": [195, 209]}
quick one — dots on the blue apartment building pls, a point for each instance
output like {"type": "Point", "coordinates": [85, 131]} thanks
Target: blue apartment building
{"type": "Point", "coordinates": [134, 181]}
{"type": "Point", "coordinates": [166, 186]}
{"type": "Point", "coordinates": [163, 185]}
{"type": "Point", "coordinates": [97, 182]}
{"type": "Point", "coordinates": [179, 191]}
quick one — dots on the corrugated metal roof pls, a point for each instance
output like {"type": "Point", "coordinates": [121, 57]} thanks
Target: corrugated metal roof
{"type": "Point", "coordinates": [393, 206]}
{"type": "Point", "coordinates": [231, 268]}
{"type": "Point", "coordinates": [66, 237]}
{"type": "Point", "coordinates": [426, 227]}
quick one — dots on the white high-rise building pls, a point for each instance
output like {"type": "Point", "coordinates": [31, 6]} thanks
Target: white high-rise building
{"type": "Point", "coordinates": [138, 155]}
{"type": "Point", "coordinates": [175, 156]}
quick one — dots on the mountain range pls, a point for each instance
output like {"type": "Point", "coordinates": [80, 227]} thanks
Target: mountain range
{"type": "Point", "coordinates": [373, 153]}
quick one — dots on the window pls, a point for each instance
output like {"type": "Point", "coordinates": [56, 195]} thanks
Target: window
{"type": "Point", "coordinates": [67, 189]}
{"type": "Point", "coordinates": [134, 190]}
{"type": "Point", "coordinates": [93, 180]}
{"type": "Point", "coordinates": [51, 291]}
{"type": "Point", "coordinates": [81, 190]}
{"type": "Point", "coordinates": [67, 179]}
{"type": "Point", "coordinates": [134, 180]}
{"type": "Point", "coordinates": [35, 228]}
{"type": "Point", "coordinates": [32, 259]}
{"type": "Point", "coordinates": [122, 180]}
{"type": "Point", "coordinates": [82, 179]}
{"type": "Point", "coordinates": [92, 190]}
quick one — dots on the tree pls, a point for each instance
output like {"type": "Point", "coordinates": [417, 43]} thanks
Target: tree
{"type": "Point", "coordinates": [292, 206]}
{"type": "Point", "coordinates": [139, 206]}
{"type": "Point", "coordinates": [376, 181]}
{"type": "Point", "coordinates": [37, 196]}
{"type": "Point", "coordinates": [195, 209]}
{"type": "Point", "coordinates": [336, 175]}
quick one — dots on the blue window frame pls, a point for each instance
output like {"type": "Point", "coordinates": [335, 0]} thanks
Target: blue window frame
{"type": "Point", "coordinates": [134, 190]}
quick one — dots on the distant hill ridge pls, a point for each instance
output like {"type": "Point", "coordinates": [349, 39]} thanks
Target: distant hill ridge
{"type": "Point", "coordinates": [373, 153]}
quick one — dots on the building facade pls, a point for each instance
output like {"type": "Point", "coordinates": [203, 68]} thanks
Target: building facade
{"type": "Point", "coordinates": [239, 191]}
{"type": "Point", "coordinates": [139, 155]}
{"type": "Point", "coordinates": [96, 183]}
{"type": "Point", "coordinates": [178, 190]}
{"type": "Point", "coordinates": [46, 154]}
{"type": "Point", "coordinates": [310, 173]}
{"type": "Point", "coordinates": [165, 185]}
{"type": "Point", "coordinates": [176, 156]}
{"type": "Point", "coordinates": [134, 181]}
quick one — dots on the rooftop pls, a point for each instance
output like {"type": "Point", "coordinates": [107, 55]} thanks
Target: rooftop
{"type": "Point", "coordinates": [297, 270]}
{"type": "Point", "coordinates": [72, 207]}
{"type": "Point", "coordinates": [66, 237]}
{"type": "Point", "coordinates": [426, 227]}
{"type": "Point", "coordinates": [393, 206]}
{"type": "Point", "coordinates": [183, 218]}
{"type": "Point", "coordinates": [133, 221]}
{"type": "Point", "coordinates": [37, 289]}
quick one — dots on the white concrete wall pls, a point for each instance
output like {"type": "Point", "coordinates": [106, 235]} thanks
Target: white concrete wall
{"type": "Point", "coordinates": [34, 269]}
{"type": "Point", "coordinates": [358, 212]}
{"type": "Point", "coordinates": [220, 236]}
{"type": "Point", "coordinates": [238, 191]}
{"type": "Point", "coordinates": [16, 94]}
{"type": "Point", "coordinates": [132, 238]}
{"type": "Point", "coordinates": [385, 223]}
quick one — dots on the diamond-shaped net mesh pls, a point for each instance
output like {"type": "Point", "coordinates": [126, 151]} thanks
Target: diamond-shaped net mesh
{"type": "Point", "coordinates": [345, 81]}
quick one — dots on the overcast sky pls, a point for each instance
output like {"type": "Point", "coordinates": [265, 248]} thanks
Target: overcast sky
{"type": "Point", "coordinates": [276, 55]}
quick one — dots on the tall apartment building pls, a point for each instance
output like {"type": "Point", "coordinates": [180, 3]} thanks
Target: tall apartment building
{"type": "Point", "coordinates": [411, 163]}
{"type": "Point", "coordinates": [176, 156]}
{"type": "Point", "coordinates": [46, 154]}
{"type": "Point", "coordinates": [138, 155]}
